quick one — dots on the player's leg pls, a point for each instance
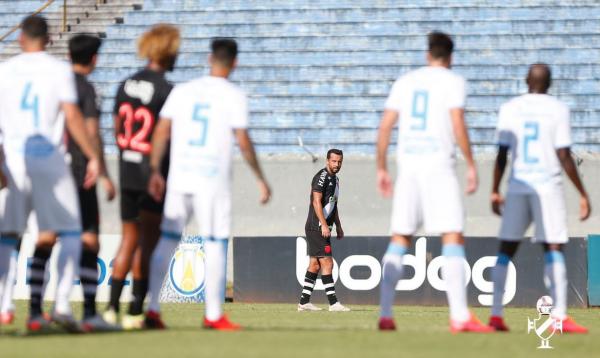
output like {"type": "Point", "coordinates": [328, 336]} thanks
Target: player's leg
{"type": "Point", "coordinates": [7, 306]}
{"type": "Point", "coordinates": [176, 214]}
{"type": "Point", "coordinates": [36, 277]}
{"type": "Point", "coordinates": [149, 236]}
{"type": "Point", "coordinates": [213, 214]}
{"type": "Point", "coordinates": [310, 279]}
{"type": "Point", "coordinates": [326, 263]}
{"type": "Point", "coordinates": [7, 248]}
{"type": "Point", "coordinates": [405, 220]}
{"type": "Point", "coordinates": [516, 218]}
{"type": "Point", "coordinates": [550, 216]}
{"type": "Point", "coordinates": [124, 257]}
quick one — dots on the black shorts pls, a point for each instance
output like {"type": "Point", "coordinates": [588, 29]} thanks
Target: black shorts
{"type": "Point", "coordinates": [317, 245]}
{"type": "Point", "coordinates": [132, 201]}
{"type": "Point", "coordinates": [88, 204]}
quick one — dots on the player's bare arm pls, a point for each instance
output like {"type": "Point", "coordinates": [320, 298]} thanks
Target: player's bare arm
{"type": "Point", "coordinates": [156, 183]}
{"type": "Point", "coordinates": [247, 149]}
{"type": "Point", "coordinates": [338, 225]}
{"type": "Point", "coordinates": [568, 164]}
{"type": "Point", "coordinates": [384, 180]}
{"type": "Point", "coordinates": [499, 168]}
{"type": "Point", "coordinates": [461, 134]}
{"type": "Point", "coordinates": [316, 203]}
{"type": "Point", "coordinates": [92, 126]}
{"type": "Point", "coordinates": [76, 127]}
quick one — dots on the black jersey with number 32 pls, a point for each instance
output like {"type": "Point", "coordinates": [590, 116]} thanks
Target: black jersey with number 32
{"type": "Point", "coordinates": [328, 185]}
{"type": "Point", "coordinates": [138, 103]}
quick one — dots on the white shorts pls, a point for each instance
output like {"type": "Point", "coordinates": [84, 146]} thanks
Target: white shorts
{"type": "Point", "coordinates": [45, 187]}
{"type": "Point", "coordinates": [545, 208]}
{"type": "Point", "coordinates": [212, 210]}
{"type": "Point", "coordinates": [431, 199]}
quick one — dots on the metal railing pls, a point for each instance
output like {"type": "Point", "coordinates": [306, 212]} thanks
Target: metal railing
{"type": "Point", "coordinates": [44, 7]}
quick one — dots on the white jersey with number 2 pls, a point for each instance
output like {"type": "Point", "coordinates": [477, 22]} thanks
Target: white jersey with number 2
{"type": "Point", "coordinates": [204, 112]}
{"type": "Point", "coordinates": [423, 98]}
{"type": "Point", "coordinates": [534, 126]}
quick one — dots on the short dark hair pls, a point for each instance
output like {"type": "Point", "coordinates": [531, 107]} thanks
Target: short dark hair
{"type": "Point", "coordinates": [224, 51]}
{"type": "Point", "coordinates": [35, 27]}
{"type": "Point", "coordinates": [334, 151]}
{"type": "Point", "coordinates": [440, 45]}
{"type": "Point", "coordinates": [82, 48]}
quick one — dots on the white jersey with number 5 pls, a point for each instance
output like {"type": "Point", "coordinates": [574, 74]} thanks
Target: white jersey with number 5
{"type": "Point", "coordinates": [534, 126]}
{"type": "Point", "coordinates": [32, 88]}
{"type": "Point", "coordinates": [423, 98]}
{"type": "Point", "coordinates": [204, 112]}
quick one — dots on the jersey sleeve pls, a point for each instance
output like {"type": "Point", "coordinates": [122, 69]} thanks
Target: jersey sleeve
{"type": "Point", "coordinates": [169, 109]}
{"type": "Point", "coordinates": [562, 136]}
{"type": "Point", "coordinates": [318, 182]}
{"type": "Point", "coordinates": [67, 93]}
{"type": "Point", "coordinates": [393, 101]}
{"type": "Point", "coordinates": [458, 93]}
{"type": "Point", "coordinates": [118, 99]}
{"type": "Point", "coordinates": [89, 102]}
{"type": "Point", "coordinates": [503, 132]}
{"type": "Point", "coordinates": [239, 112]}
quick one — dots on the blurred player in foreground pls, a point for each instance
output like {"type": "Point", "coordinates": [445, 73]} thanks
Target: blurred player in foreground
{"type": "Point", "coordinates": [202, 117]}
{"type": "Point", "coordinates": [535, 129]}
{"type": "Point", "coordinates": [429, 105]}
{"type": "Point", "coordinates": [138, 103]}
{"type": "Point", "coordinates": [322, 214]}
{"type": "Point", "coordinates": [35, 87]}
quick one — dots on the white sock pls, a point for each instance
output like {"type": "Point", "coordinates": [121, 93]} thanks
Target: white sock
{"type": "Point", "coordinates": [453, 273]}
{"type": "Point", "coordinates": [216, 270]}
{"type": "Point", "coordinates": [392, 273]}
{"type": "Point", "coordinates": [7, 245]}
{"type": "Point", "coordinates": [555, 278]}
{"type": "Point", "coordinates": [499, 278]}
{"type": "Point", "coordinates": [9, 284]}
{"type": "Point", "coordinates": [68, 269]}
{"type": "Point", "coordinates": [159, 264]}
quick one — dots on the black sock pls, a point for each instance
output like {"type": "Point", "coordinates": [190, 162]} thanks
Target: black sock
{"type": "Point", "coordinates": [329, 289]}
{"type": "Point", "coordinates": [37, 272]}
{"type": "Point", "coordinates": [115, 294]}
{"type": "Point", "coordinates": [139, 291]}
{"type": "Point", "coordinates": [309, 284]}
{"type": "Point", "coordinates": [89, 281]}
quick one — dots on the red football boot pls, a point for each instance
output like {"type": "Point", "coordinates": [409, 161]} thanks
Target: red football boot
{"type": "Point", "coordinates": [222, 324]}
{"type": "Point", "coordinates": [472, 325]}
{"type": "Point", "coordinates": [387, 324]}
{"type": "Point", "coordinates": [153, 321]}
{"type": "Point", "coordinates": [7, 318]}
{"type": "Point", "coordinates": [570, 326]}
{"type": "Point", "coordinates": [497, 323]}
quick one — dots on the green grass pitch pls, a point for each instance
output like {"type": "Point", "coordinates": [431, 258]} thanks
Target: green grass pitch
{"type": "Point", "coordinates": [278, 330]}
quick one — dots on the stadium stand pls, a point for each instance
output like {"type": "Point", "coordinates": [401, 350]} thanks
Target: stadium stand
{"type": "Point", "coordinates": [321, 69]}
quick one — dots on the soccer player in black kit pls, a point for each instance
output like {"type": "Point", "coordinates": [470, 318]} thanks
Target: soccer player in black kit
{"type": "Point", "coordinates": [138, 102]}
{"type": "Point", "coordinates": [322, 214]}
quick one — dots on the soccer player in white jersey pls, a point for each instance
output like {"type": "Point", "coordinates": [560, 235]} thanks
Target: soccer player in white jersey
{"type": "Point", "coordinates": [203, 117]}
{"type": "Point", "coordinates": [35, 87]}
{"type": "Point", "coordinates": [428, 104]}
{"type": "Point", "coordinates": [535, 129]}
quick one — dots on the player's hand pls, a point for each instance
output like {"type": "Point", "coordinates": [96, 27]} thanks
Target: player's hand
{"type": "Point", "coordinates": [585, 209]}
{"type": "Point", "coordinates": [91, 173]}
{"type": "Point", "coordinates": [156, 186]}
{"type": "Point", "coordinates": [472, 179]}
{"type": "Point", "coordinates": [109, 188]}
{"type": "Point", "coordinates": [384, 183]}
{"type": "Point", "coordinates": [497, 203]}
{"type": "Point", "coordinates": [265, 192]}
{"type": "Point", "coordinates": [340, 232]}
{"type": "Point", "coordinates": [325, 232]}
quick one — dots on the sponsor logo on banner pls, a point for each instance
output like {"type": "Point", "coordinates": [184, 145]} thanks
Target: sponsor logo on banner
{"type": "Point", "coordinates": [424, 269]}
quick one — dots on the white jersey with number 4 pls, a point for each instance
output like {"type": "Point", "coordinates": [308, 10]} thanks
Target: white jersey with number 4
{"type": "Point", "coordinates": [423, 98]}
{"type": "Point", "coordinates": [204, 112]}
{"type": "Point", "coordinates": [32, 88]}
{"type": "Point", "coordinates": [534, 126]}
